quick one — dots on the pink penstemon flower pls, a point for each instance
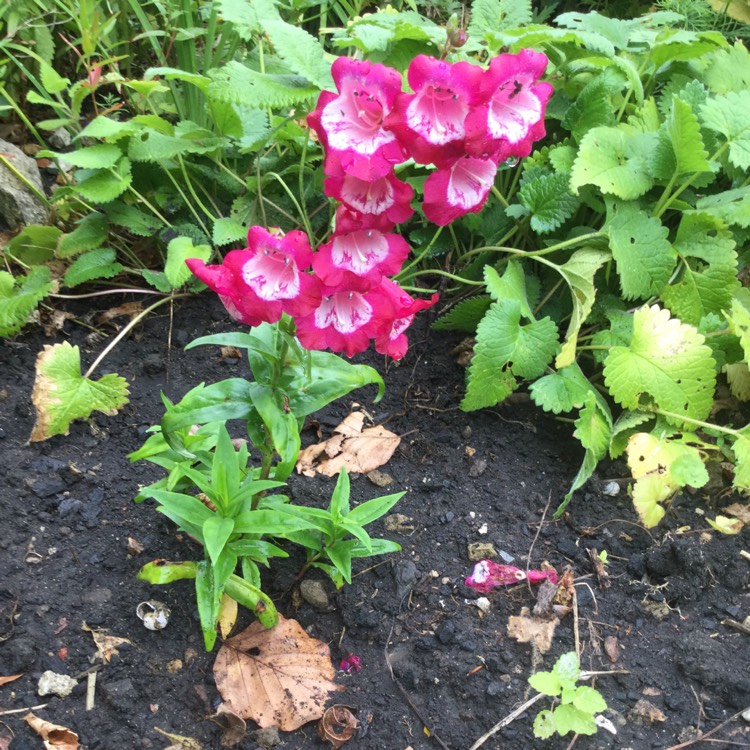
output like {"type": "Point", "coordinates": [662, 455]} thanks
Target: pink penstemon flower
{"type": "Point", "coordinates": [265, 280]}
{"type": "Point", "coordinates": [488, 575]}
{"type": "Point", "coordinates": [361, 248]}
{"type": "Point", "coordinates": [351, 123]}
{"type": "Point", "coordinates": [434, 115]}
{"type": "Point", "coordinates": [511, 118]}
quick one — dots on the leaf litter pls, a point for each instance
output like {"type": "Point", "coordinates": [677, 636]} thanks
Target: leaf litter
{"type": "Point", "coordinates": [353, 447]}
{"type": "Point", "coordinates": [280, 677]}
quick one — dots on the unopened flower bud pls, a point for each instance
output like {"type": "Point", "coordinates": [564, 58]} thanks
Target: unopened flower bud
{"type": "Point", "coordinates": [457, 36]}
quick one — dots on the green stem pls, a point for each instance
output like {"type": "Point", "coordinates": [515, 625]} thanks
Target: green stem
{"type": "Point", "coordinates": [151, 208]}
{"type": "Point", "coordinates": [538, 253]}
{"type": "Point", "coordinates": [500, 197]}
{"type": "Point", "coordinates": [293, 199]}
{"type": "Point", "coordinates": [126, 330]}
{"type": "Point", "coordinates": [186, 201]}
{"type": "Point", "coordinates": [191, 190]}
{"type": "Point", "coordinates": [698, 422]}
{"type": "Point", "coordinates": [424, 252]}
{"type": "Point", "coordinates": [436, 272]}
{"type": "Point", "coordinates": [25, 180]}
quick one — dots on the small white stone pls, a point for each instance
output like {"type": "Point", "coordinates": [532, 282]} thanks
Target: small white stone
{"type": "Point", "coordinates": [445, 580]}
{"type": "Point", "coordinates": [472, 515]}
{"type": "Point", "coordinates": [51, 683]}
{"type": "Point", "coordinates": [611, 489]}
{"type": "Point", "coordinates": [434, 574]}
{"type": "Point", "coordinates": [482, 529]}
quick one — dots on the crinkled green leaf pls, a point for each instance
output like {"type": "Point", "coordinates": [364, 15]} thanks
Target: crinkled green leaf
{"type": "Point", "coordinates": [179, 250]}
{"type": "Point", "coordinates": [90, 233]}
{"type": "Point", "coordinates": [302, 52]}
{"type": "Point", "coordinates": [594, 426]}
{"type": "Point", "coordinates": [465, 316]}
{"type": "Point", "coordinates": [380, 30]}
{"type": "Point", "coordinates": [61, 394]}
{"type": "Point", "coordinates": [568, 718]}
{"type": "Point", "coordinates": [19, 296]}
{"type": "Point", "coordinates": [689, 469]}
{"type": "Point", "coordinates": [504, 345]}
{"type": "Point", "coordinates": [255, 127]}
{"type": "Point", "coordinates": [579, 271]}
{"type": "Point", "coordinates": [545, 683]}
{"type": "Point", "coordinates": [226, 231]}
{"type": "Point", "coordinates": [95, 264]}
{"type": "Point", "coordinates": [133, 219]}
{"type": "Point", "coordinates": [591, 108]}
{"type": "Point", "coordinates": [728, 70]}
{"type": "Point", "coordinates": [626, 425]}
{"type": "Point", "coordinates": [738, 379]}
{"type": "Point", "coordinates": [561, 391]}
{"type": "Point", "coordinates": [52, 81]}
{"type": "Point", "coordinates": [549, 200]}
{"type": "Point", "coordinates": [741, 449]}
{"type": "Point", "coordinates": [104, 185]}
{"type": "Point", "coordinates": [589, 700]}
{"type": "Point", "coordinates": [495, 15]}
{"type": "Point", "coordinates": [730, 115]}
{"type": "Point", "coordinates": [544, 725]}
{"type": "Point", "coordinates": [99, 156]}
{"type": "Point", "coordinates": [34, 244]}
{"type": "Point", "coordinates": [731, 206]}
{"type": "Point", "coordinates": [680, 149]}
{"type": "Point", "coordinates": [667, 362]}
{"type": "Point", "coordinates": [616, 160]}
{"type": "Point", "coordinates": [708, 272]}
{"type": "Point", "coordinates": [511, 285]}
{"type": "Point", "coordinates": [739, 319]}
{"type": "Point", "coordinates": [237, 83]}
{"type": "Point", "coordinates": [645, 258]}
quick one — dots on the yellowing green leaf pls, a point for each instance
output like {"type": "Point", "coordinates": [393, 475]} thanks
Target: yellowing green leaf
{"type": "Point", "coordinates": [738, 377]}
{"type": "Point", "coordinates": [648, 494]}
{"type": "Point", "coordinates": [667, 362]}
{"type": "Point", "coordinates": [726, 525]}
{"type": "Point", "coordinates": [739, 319]}
{"type": "Point", "coordinates": [730, 116]}
{"type": "Point", "coordinates": [18, 297]}
{"type": "Point", "coordinates": [61, 394]}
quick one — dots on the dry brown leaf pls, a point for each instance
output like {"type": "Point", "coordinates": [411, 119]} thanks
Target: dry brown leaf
{"type": "Point", "coordinates": [6, 736]}
{"type": "Point", "coordinates": [230, 352]}
{"type": "Point", "coordinates": [337, 726]}
{"type": "Point", "coordinates": [131, 309]}
{"type": "Point", "coordinates": [526, 629]}
{"type": "Point", "coordinates": [179, 742]}
{"type": "Point", "coordinates": [134, 547]}
{"type": "Point", "coordinates": [106, 645]}
{"type": "Point", "coordinates": [739, 510]}
{"type": "Point", "coordinates": [227, 615]}
{"type": "Point", "coordinates": [646, 712]}
{"type": "Point", "coordinates": [612, 648]}
{"type": "Point", "coordinates": [4, 680]}
{"type": "Point", "coordinates": [351, 447]}
{"type": "Point", "coordinates": [54, 322]}
{"type": "Point", "coordinates": [54, 736]}
{"type": "Point", "coordinates": [279, 677]}
{"type": "Point", "coordinates": [233, 727]}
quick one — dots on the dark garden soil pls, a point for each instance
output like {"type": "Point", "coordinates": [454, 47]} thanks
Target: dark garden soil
{"type": "Point", "coordinates": [67, 514]}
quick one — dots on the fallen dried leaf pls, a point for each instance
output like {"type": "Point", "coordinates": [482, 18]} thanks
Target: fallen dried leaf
{"type": "Point", "coordinates": [280, 677]}
{"type": "Point", "coordinates": [131, 309]}
{"type": "Point", "coordinates": [4, 680]}
{"type": "Point", "coordinates": [54, 736]}
{"type": "Point", "coordinates": [351, 447]}
{"type": "Point", "coordinates": [738, 510]}
{"type": "Point", "coordinates": [134, 547]}
{"type": "Point", "coordinates": [380, 478]}
{"type": "Point", "coordinates": [54, 322]}
{"type": "Point", "coordinates": [6, 737]}
{"type": "Point", "coordinates": [230, 352]}
{"type": "Point", "coordinates": [612, 648]}
{"type": "Point", "coordinates": [526, 629]}
{"type": "Point", "coordinates": [652, 692]}
{"type": "Point", "coordinates": [646, 712]}
{"type": "Point", "coordinates": [233, 727]}
{"type": "Point", "coordinates": [106, 645]}
{"type": "Point", "coordinates": [337, 726]}
{"type": "Point", "coordinates": [179, 742]}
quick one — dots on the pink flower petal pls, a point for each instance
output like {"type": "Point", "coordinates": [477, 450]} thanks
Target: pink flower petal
{"type": "Point", "coordinates": [387, 196]}
{"type": "Point", "coordinates": [488, 575]}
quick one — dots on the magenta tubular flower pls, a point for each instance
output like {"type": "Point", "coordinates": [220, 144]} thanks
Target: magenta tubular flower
{"type": "Point", "coordinates": [512, 116]}
{"type": "Point", "coordinates": [488, 575]}
{"type": "Point", "coordinates": [387, 196]}
{"type": "Point", "coordinates": [341, 320]}
{"type": "Point", "coordinates": [434, 115]}
{"type": "Point", "coordinates": [395, 313]}
{"type": "Point", "coordinates": [350, 124]}
{"type": "Point", "coordinates": [459, 187]}
{"type": "Point", "coordinates": [369, 253]}
{"type": "Point", "coordinates": [267, 279]}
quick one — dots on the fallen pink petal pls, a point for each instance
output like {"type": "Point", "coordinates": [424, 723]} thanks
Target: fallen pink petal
{"type": "Point", "coordinates": [488, 575]}
{"type": "Point", "coordinates": [350, 664]}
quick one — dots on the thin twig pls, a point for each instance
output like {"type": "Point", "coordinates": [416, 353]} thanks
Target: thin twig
{"type": "Point", "coordinates": [741, 627]}
{"type": "Point", "coordinates": [507, 720]}
{"type": "Point", "coordinates": [21, 710]}
{"type": "Point", "coordinates": [536, 536]}
{"type": "Point", "coordinates": [705, 736]}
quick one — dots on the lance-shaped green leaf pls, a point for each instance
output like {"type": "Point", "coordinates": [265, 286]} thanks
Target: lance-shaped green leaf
{"type": "Point", "coordinates": [667, 364]}
{"type": "Point", "coordinates": [89, 234]}
{"type": "Point", "coordinates": [61, 394]}
{"type": "Point", "coordinates": [645, 258]}
{"type": "Point", "coordinates": [100, 156]}
{"type": "Point", "coordinates": [708, 272]}
{"type": "Point", "coordinates": [579, 271]}
{"type": "Point", "coordinates": [730, 116]}
{"type": "Point", "coordinates": [18, 297]}
{"type": "Point", "coordinates": [616, 160]}
{"type": "Point", "coordinates": [95, 264]}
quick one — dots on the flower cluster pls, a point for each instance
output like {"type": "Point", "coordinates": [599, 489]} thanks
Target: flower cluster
{"type": "Point", "coordinates": [463, 119]}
